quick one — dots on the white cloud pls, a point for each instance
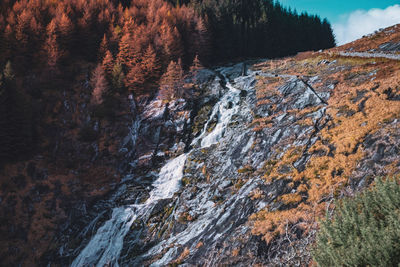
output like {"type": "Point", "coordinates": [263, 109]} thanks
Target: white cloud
{"type": "Point", "coordinates": [360, 22]}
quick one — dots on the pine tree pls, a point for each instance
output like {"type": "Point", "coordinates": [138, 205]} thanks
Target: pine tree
{"type": "Point", "coordinates": [99, 84]}
{"type": "Point", "coordinates": [151, 67]}
{"type": "Point", "coordinates": [194, 69]}
{"type": "Point", "coordinates": [171, 83]}
{"type": "Point", "coordinates": [118, 77]}
{"type": "Point", "coordinates": [365, 229]}
{"type": "Point", "coordinates": [65, 28]}
{"type": "Point", "coordinates": [196, 65]}
{"type": "Point", "coordinates": [103, 48]}
{"type": "Point", "coordinates": [124, 55]}
{"type": "Point", "coordinates": [135, 80]}
{"type": "Point", "coordinates": [52, 50]}
{"type": "Point", "coordinates": [108, 63]}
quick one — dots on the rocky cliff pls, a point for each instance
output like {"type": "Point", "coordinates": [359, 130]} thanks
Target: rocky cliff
{"type": "Point", "coordinates": [241, 173]}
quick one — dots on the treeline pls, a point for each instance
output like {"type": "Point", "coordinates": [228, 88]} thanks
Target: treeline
{"type": "Point", "coordinates": [140, 40]}
{"type": "Point", "coordinates": [259, 28]}
{"type": "Point", "coordinates": [121, 48]}
{"type": "Point", "coordinates": [139, 47]}
{"type": "Point", "coordinates": [135, 41]}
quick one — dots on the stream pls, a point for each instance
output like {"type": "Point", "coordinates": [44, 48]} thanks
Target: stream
{"type": "Point", "coordinates": [105, 246]}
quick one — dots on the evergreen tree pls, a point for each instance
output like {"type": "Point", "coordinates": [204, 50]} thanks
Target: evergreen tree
{"type": "Point", "coordinates": [124, 55]}
{"type": "Point", "coordinates": [364, 231]}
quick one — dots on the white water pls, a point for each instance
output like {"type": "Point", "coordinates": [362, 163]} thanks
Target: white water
{"type": "Point", "coordinates": [105, 246]}
{"type": "Point", "coordinates": [225, 108]}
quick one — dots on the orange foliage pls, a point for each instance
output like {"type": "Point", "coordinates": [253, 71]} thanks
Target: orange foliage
{"type": "Point", "coordinates": [327, 174]}
{"type": "Point", "coordinates": [99, 84]}
{"type": "Point", "coordinates": [145, 36]}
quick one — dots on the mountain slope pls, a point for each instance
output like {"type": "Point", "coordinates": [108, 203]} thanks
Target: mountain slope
{"type": "Point", "coordinates": [242, 175]}
{"type": "Point", "coordinates": [239, 174]}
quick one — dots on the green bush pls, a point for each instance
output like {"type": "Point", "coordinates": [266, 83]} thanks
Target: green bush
{"type": "Point", "coordinates": [364, 231]}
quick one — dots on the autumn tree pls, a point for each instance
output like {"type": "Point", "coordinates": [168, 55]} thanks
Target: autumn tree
{"type": "Point", "coordinates": [172, 42]}
{"type": "Point", "coordinates": [108, 63]}
{"type": "Point", "coordinates": [135, 79]}
{"type": "Point", "coordinates": [99, 84]}
{"type": "Point", "coordinates": [52, 50]}
{"type": "Point", "coordinates": [196, 65]}
{"type": "Point", "coordinates": [65, 29]}
{"type": "Point", "coordinates": [194, 74]}
{"type": "Point", "coordinates": [118, 77]}
{"type": "Point", "coordinates": [124, 55]}
{"type": "Point", "coordinates": [171, 83]}
{"type": "Point", "coordinates": [103, 48]}
{"type": "Point", "coordinates": [151, 67]}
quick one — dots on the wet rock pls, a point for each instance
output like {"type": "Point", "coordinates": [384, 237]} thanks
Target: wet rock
{"type": "Point", "coordinates": [380, 153]}
{"type": "Point", "coordinates": [159, 207]}
{"type": "Point", "coordinates": [209, 213]}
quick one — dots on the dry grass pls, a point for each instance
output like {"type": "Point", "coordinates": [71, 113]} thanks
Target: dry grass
{"type": "Point", "coordinates": [351, 119]}
{"type": "Point", "coordinates": [391, 34]}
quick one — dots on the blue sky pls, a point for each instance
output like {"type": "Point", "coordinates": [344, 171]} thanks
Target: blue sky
{"type": "Point", "coordinates": [351, 19]}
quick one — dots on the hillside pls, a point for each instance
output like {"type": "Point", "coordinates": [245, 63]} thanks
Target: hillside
{"type": "Point", "coordinates": [243, 176]}
{"type": "Point", "coordinates": [122, 144]}
{"type": "Point", "coordinates": [84, 87]}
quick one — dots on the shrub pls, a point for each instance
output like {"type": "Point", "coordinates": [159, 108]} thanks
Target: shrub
{"type": "Point", "coordinates": [364, 231]}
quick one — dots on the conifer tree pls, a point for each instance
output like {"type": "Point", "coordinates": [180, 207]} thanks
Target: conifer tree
{"type": "Point", "coordinates": [171, 83]}
{"type": "Point", "coordinates": [365, 229]}
{"type": "Point", "coordinates": [194, 68]}
{"type": "Point", "coordinates": [52, 50]}
{"type": "Point", "coordinates": [99, 84]}
{"type": "Point", "coordinates": [108, 63]}
{"type": "Point", "coordinates": [151, 66]}
{"type": "Point", "coordinates": [103, 48]}
{"type": "Point", "coordinates": [65, 28]}
{"type": "Point", "coordinates": [124, 55]}
{"type": "Point", "coordinates": [118, 77]}
{"type": "Point", "coordinates": [135, 80]}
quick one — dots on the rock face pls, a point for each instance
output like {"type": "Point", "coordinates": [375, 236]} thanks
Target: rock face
{"type": "Point", "coordinates": [197, 209]}
{"type": "Point", "coordinates": [196, 173]}
{"type": "Point", "coordinates": [241, 174]}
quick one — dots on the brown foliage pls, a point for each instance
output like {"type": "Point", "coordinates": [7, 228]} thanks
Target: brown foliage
{"type": "Point", "coordinates": [99, 84]}
{"type": "Point", "coordinates": [326, 174]}
{"type": "Point", "coordinates": [145, 37]}
{"type": "Point", "coordinates": [108, 63]}
{"type": "Point", "coordinates": [171, 83]}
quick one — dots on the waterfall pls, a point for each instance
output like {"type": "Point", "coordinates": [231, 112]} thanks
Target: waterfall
{"type": "Point", "coordinates": [105, 246]}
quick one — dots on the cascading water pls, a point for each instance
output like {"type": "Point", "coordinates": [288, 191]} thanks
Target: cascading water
{"type": "Point", "coordinates": [105, 246]}
{"type": "Point", "coordinates": [224, 109]}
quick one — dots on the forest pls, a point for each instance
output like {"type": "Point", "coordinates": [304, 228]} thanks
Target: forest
{"type": "Point", "coordinates": [141, 47]}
